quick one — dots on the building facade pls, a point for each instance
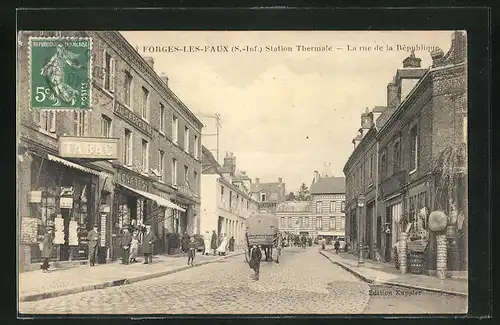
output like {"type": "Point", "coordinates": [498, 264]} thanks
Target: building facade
{"type": "Point", "coordinates": [154, 177]}
{"type": "Point", "coordinates": [425, 118]}
{"type": "Point", "coordinates": [226, 202]}
{"type": "Point", "coordinates": [295, 217]}
{"type": "Point", "coordinates": [268, 195]}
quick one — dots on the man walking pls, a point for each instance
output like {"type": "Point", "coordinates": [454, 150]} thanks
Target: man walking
{"type": "Point", "coordinates": [213, 242]}
{"type": "Point", "coordinates": [255, 257]}
{"type": "Point", "coordinates": [147, 241]}
{"type": "Point", "coordinates": [93, 237]}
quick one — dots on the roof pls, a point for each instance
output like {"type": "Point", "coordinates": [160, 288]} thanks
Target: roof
{"type": "Point", "coordinates": [264, 187]}
{"type": "Point", "coordinates": [379, 109]}
{"type": "Point", "coordinates": [294, 206]}
{"type": "Point", "coordinates": [328, 185]}
{"type": "Point", "coordinates": [416, 73]}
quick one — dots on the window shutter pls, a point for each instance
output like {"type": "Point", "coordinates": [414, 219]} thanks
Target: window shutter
{"type": "Point", "coordinates": [112, 76]}
{"type": "Point", "coordinates": [103, 69]}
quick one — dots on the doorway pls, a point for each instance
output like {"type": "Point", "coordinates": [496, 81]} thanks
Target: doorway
{"type": "Point", "coordinates": [368, 229]}
{"type": "Point", "coordinates": [219, 226]}
{"type": "Point", "coordinates": [379, 233]}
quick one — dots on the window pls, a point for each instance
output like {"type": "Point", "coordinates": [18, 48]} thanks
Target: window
{"type": "Point", "coordinates": [195, 185]}
{"type": "Point", "coordinates": [342, 206]}
{"type": "Point", "coordinates": [196, 147]}
{"type": "Point", "coordinates": [109, 72]}
{"type": "Point", "coordinates": [45, 120]}
{"type": "Point", "coordinates": [342, 223]}
{"type": "Point", "coordinates": [363, 173]}
{"type": "Point", "coordinates": [301, 222]}
{"type": "Point", "coordinates": [306, 222]}
{"type": "Point", "coordinates": [145, 103]}
{"type": "Point", "coordinates": [319, 207]}
{"type": "Point", "coordinates": [290, 223]}
{"type": "Point", "coordinates": [186, 174]}
{"type": "Point", "coordinates": [318, 222]}
{"type": "Point", "coordinates": [105, 126]}
{"type": "Point", "coordinates": [415, 204]}
{"type": "Point", "coordinates": [186, 139]}
{"type": "Point", "coordinates": [162, 118]}
{"type": "Point", "coordinates": [397, 157]}
{"type": "Point", "coordinates": [332, 206]}
{"type": "Point", "coordinates": [175, 129]}
{"type": "Point", "coordinates": [145, 156]}
{"type": "Point", "coordinates": [370, 174]}
{"type": "Point", "coordinates": [128, 89]}
{"type": "Point", "coordinates": [161, 163]}
{"type": "Point", "coordinates": [230, 199]}
{"type": "Point", "coordinates": [262, 197]}
{"type": "Point", "coordinates": [221, 190]}
{"type": "Point", "coordinates": [79, 123]}
{"type": "Point", "coordinates": [332, 223]}
{"type": "Point", "coordinates": [127, 158]}
{"type": "Point", "coordinates": [383, 166]}
{"type": "Point", "coordinates": [174, 171]}
{"type": "Point", "coordinates": [413, 148]}
{"type": "Point", "coordinates": [338, 207]}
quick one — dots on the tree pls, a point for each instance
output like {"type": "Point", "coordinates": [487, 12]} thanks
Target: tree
{"type": "Point", "coordinates": [290, 197]}
{"type": "Point", "coordinates": [303, 193]}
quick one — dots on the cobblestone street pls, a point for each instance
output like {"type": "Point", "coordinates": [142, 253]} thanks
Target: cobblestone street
{"type": "Point", "coordinates": [303, 283]}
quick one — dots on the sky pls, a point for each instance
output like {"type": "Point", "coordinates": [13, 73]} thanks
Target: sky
{"type": "Point", "coordinates": [284, 113]}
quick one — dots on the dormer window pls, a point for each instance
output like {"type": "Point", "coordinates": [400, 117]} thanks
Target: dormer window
{"type": "Point", "coordinates": [263, 197]}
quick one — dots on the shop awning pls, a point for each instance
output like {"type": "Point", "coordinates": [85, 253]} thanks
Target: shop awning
{"type": "Point", "coordinates": [158, 199]}
{"type": "Point", "coordinates": [72, 165]}
{"type": "Point", "coordinates": [330, 233]}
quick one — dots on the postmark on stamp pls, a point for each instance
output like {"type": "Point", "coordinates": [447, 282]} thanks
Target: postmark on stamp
{"type": "Point", "coordinates": [60, 72]}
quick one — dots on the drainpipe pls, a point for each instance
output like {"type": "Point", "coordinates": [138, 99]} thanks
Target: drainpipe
{"type": "Point", "coordinates": [376, 192]}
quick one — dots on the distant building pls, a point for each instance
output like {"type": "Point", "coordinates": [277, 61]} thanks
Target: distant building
{"type": "Point", "coordinates": [295, 217]}
{"type": "Point", "coordinates": [225, 198]}
{"type": "Point", "coordinates": [268, 195]}
{"type": "Point", "coordinates": [328, 205]}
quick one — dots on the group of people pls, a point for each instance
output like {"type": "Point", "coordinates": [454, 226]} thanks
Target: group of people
{"type": "Point", "coordinates": [217, 246]}
{"type": "Point", "coordinates": [130, 244]}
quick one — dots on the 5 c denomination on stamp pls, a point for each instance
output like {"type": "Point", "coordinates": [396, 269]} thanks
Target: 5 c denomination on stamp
{"type": "Point", "coordinates": [60, 72]}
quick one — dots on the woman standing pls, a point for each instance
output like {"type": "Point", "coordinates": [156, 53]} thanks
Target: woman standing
{"type": "Point", "coordinates": [185, 242]}
{"type": "Point", "coordinates": [223, 246]}
{"type": "Point", "coordinates": [231, 244]}
{"type": "Point", "coordinates": [134, 246]}
{"type": "Point", "coordinates": [47, 247]}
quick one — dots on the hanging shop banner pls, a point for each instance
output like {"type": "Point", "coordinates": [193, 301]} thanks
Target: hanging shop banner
{"type": "Point", "coordinates": [67, 191]}
{"type": "Point", "coordinates": [103, 230]}
{"type": "Point", "coordinates": [66, 202]}
{"type": "Point", "coordinates": [89, 148]}
{"type": "Point", "coordinates": [35, 196]}
{"type": "Point", "coordinates": [59, 231]}
{"type": "Point", "coordinates": [73, 233]}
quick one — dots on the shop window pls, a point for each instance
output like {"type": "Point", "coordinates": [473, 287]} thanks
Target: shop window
{"type": "Point", "coordinates": [109, 72]}
{"type": "Point", "coordinates": [162, 118]}
{"type": "Point", "coordinates": [127, 158]}
{"type": "Point", "coordinates": [79, 123]}
{"type": "Point", "coordinates": [46, 121]}
{"type": "Point", "coordinates": [105, 126]}
{"type": "Point", "coordinates": [175, 129]}
{"type": "Point", "coordinates": [128, 89]}
{"type": "Point", "coordinates": [413, 148]}
{"type": "Point", "coordinates": [186, 139]}
{"type": "Point", "coordinates": [145, 103]}
{"type": "Point", "coordinates": [174, 171]}
{"type": "Point", "coordinates": [145, 156]}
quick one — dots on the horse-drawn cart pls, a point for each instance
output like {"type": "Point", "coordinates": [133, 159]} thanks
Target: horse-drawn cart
{"type": "Point", "coordinates": [262, 229]}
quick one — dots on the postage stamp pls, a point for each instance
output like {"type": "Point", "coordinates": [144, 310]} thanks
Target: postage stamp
{"type": "Point", "coordinates": [60, 73]}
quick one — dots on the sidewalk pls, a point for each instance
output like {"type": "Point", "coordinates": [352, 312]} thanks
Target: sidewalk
{"type": "Point", "coordinates": [385, 273]}
{"type": "Point", "coordinates": [36, 285]}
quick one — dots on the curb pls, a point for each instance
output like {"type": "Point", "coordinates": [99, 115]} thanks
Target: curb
{"type": "Point", "coordinates": [114, 283]}
{"type": "Point", "coordinates": [391, 283]}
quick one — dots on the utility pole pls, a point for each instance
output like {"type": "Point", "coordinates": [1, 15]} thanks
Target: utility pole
{"type": "Point", "coordinates": [218, 126]}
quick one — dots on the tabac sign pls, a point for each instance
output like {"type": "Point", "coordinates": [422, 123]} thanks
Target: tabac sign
{"type": "Point", "coordinates": [90, 148]}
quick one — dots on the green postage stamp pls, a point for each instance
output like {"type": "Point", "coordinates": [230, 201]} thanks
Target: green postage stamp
{"type": "Point", "coordinates": [61, 72]}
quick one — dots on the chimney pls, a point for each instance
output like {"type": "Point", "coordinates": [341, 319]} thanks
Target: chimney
{"type": "Point", "coordinates": [366, 120]}
{"type": "Point", "coordinates": [150, 61]}
{"type": "Point", "coordinates": [437, 56]}
{"type": "Point", "coordinates": [392, 95]}
{"type": "Point", "coordinates": [411, 61]}
{"type": "Point", "coordinates": [257, 180]}
{"type": "Point", "coordinates": [230, 162]}
{"type": "Point", "coordinates": [164, 78]}
{"type": "Point", "coordinates": [316, 176]}
{"type": "Point", "coordinates": [280, 180]}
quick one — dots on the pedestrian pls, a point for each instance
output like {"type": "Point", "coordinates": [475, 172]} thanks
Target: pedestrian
{"type": "Point", "coordinates": [255, 257]}
{"type": "Point", "coordinates": [185, 242]}
{"type": "Point", "coordinates": [323, 243]}
{"type": "Point", "coordinates": [191, 251]}
{"type": "Point", "coordinates": [206, 241]}
{"type": "Point", "coordinates": [213, 242]}
{"type": "Point", "coordinates": [47, 245]}
{"type": "Point", "coordinates": [126, 240]}
{"type": "Point", "coordinates": [134, 246]}
{"type": "Point", "coordinates": [223, 245]}
{"type": "Point", "coordinates": [93, 237]}
{"type": "Point", "coordinates": [231, 244]}
{"type": "Point", "coordinates": [147, 241]}
{"type": "Point", "coordinates": [336, 246]}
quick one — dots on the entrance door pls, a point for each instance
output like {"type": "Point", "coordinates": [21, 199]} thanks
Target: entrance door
{"type": "Point", "coordinates": [379, 233]}
{"type": "Point", "coordinates": [388, 237]}
{"type": "Point", "coordinates": [368, 230]}
{"type": "Point", "coordinates": [219, 226]}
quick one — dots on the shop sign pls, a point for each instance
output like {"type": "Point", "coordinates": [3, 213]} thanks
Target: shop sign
{"type": "Point", "coordinates": [59, 231]}
{"type": "Point", "coordinates": [35, 196]}
{"type": "Point", "coordinates": [133, 118]}
{"type": "Point", "coordinates": [132, 181]}
{"type": "Point", "coordinates": [104, 208]}
{"type": "Point", "coordinates": [103, 230]}
{"type": "Point", "coordinates": [66, 202]}
{"type": "Point", "coordinates": [73, 233]}
{"type": "Point", "coordinates": [67, 191]}
{"type": "Point", "coordinates": [91, 148]}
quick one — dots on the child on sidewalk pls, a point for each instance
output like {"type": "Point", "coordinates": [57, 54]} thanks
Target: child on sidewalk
{"type": "Point", "coordinates": [191, 251]}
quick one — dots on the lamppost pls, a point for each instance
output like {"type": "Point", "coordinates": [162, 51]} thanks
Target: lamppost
{"type": "Point", "coordinates": [361, 204]}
